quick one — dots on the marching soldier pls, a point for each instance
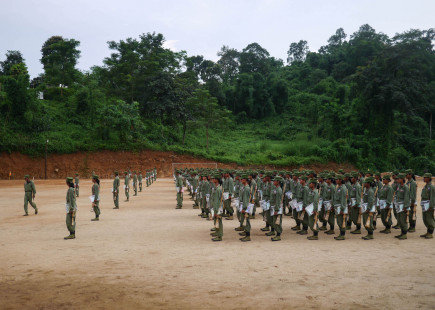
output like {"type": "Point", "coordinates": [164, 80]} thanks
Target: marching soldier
{"type": "Point", "coordinates": [140, 177]}
{"type": "Point", "coordinates": [347, 182]}
{"type": "Point", "coordinates": [276, 210]}
{"type": "Point", "coordinates": [155, 174]}
{"type": "Point", "coordinates": [340, 206]}
{"type": "Point", "coordinates": [71, 209]}
{"type": "Point", "coordinates": [323, 188]}
{"type": "Point", "coordinates": [368, 208]}
{"type": "Point", "coordinates": [303, 197]}
{"type": "Point", "coordinates": [245, 199]}
{"type": "Point", "coordinates": [412, 185]}
{"type": "Point", "coordinates": [115, 190]}
{"type": "Point", "coordinates": [216, 204]}
{"type": "Point", "coordinates": [297, 198]}
{"type": "Point", "coordinates": [195, 184]}
{"type": "Point", "coordinates": [428, 205]}
{"type": "Point", "coordinates": [96, 197]}
{"type": "Point", "coordinates": [385, 195]}
{"type": "Point", "coordinates": [179, 188]}
{"type": "Point", "coordinates": [228, 188]}
{"type": "Point", "coordinates": [148, 178]}
{"type": "Point", "coordinates": [29, 195]}
{"type": "Point", "coordinates": [313, 198]}
{"type": "Point", "coordinates": [268, 188]}
{"type": "Point", "coordinates": [127, 185]}
{"type": "Point", "coordinates": [395, 186]}
{"type": "Point", "coordinates": [254, 191]}
{"type": "Point", "coordinates": [135, 183]}
{"type": "Point", "coordinates": [77, 184]}
{"type": "Point", "coordinates": [355, 194]}
{"type": "Point", "coordinates": [403, 204]}
{"type": "Point", "coordinates": [204, 192]}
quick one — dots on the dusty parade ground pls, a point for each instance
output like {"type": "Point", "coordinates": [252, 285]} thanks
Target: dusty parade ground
{"type": "Point", "coordinates": [147, 255]}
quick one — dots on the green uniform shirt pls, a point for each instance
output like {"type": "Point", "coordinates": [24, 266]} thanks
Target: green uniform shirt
{"type": "Point", "coordinates": [428, 193]}
{"type": "Point", "coordinates": [313, 198]}
{"type": "Point", "coordinates": [355, 193]}
{"type": "Point", "coordinates": [340, 196]}
{"type": "Point", "coordinates": [127, 180]}
{"type": "Point", "coordinates": [267, 186]}
{"type": "Point", "coordinates": [402, 195]}
{"type": "Point", "coordinates": [216, 198]}
{"type": "Point", "coordinates": [96, 191]}
{"type": "Point", "coordinates": [412, 185]}
{"type": "Point", "coordinates": [386, 193]}
{"type": "Point", "coordinates": [29, 187]}
{"type": "Point", "coordinates": [116, 184]}
{"type": "Point", "coordinates": [71, 199]}
{"type": "Point", "coordinates": [245, 196]}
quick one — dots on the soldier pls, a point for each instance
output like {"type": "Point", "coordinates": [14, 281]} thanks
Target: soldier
{"type": "Point", "coordinates": [155, 174]}
{"type": "Point", "coordinates": [135, 183]}
{"type": "Point", "coordinates": [427, 205]}
{"type": "Point", "coordinates": [412, 185]}
{"type": "Point", "coordinates": [179, 188]}
{"type": "Point", "coordinates": [204, 192]}
{"type": "Point", "coordinates": [29, 195]}
{"type": "Point", "coordinates": [368, 207]}
{"type": "Point", "coordinates": [245, 199]}
{"type": "Point", "coordinates": [340, 206]}
{"type": "Point", "coordinates": [115, 190]}
{"type": "Point", "coordinates": [328, 204]}
{"type": "Point", "coordinates": [303, 198]}
{"type": "Point", "coordinates": [313, 198]}
{"type": "Point", "coordinates": [96, 197]}
{"type": "Point", "coordinates": [385, 195]}
{"type": "Point", "coordinates": [216, 203]}
{"type": "Point", "coordinates": [228, 188]}
{"type": "Point", "coordinates": [347, 182]}
{"type": "Point", "coordinates": [268, 188]}
{"type": "Point", "coordinates": [297, 198]}
{"type": "Point", "coordinates": [395, 186]}
{"type": "Point", "coordinates": [148, 178]}
{"type": "Point", "coordinates": [195, 184]}
{"type": "Point", "coordinates": [402, 206]}
{"type": "Point", "coordinates": [323, 187]}
{"type": "Point", "coordinates": [355, 195]}
{"type": "Point", "coordinates": [127, 185]}
{"type": "Point", "coordinates": [71, 209]}
{"type": "Point", "coordinates": [77, 184]}
{"type": "Point", "coordinates": [140, 181]}
{"type": "Point", "coordinates": [254, 191]}
{"type": "Point", "coordinates": [276, 209]}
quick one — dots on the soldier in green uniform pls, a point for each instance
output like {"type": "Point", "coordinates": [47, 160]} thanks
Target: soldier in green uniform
{"type": "Point", "coordinates": [368, 207]}
{"type": "Point", "coordinates": [29, 194]}
{"type": "Point", "coordinates": [77, 184]}
{"type": "Point", "coordinates": [297, 198]}
{"type": "Point", "coordinates": [355, 195]}
{"type": "Point", "coordinates": [402, 206]}
{"type": "Point", "coordinates": [155, 174]}
{"type": "Point", "coordinates": [427, 205]}
{"type": "Point", "coordinates": [140, 181]}
{"type": "Point", "coordinates": [385, 195]}
{"type": "Point", "coordinates": [413, 196]}
{"type": "Point", "coordinates": [179, 188]}
{"type": "Point", "coordinates": [340, 206]}
{"type": "Point", "coordinates": [395, 186]}
{"type": "Point", "coordinates": [216, 203]}
{"type": "Point", "coordinates": [327, 203]}
{"type": "Point", "coordinates": [347, 182]}
{"type": "Point", "coordinates": [245, 199]}
{"type": "Point", "coordinates": [228, 188]}
{"type": "Point", "coordinates": [195, 183]}
{"type": "Point", "coordinates": [204, 192]}
{"type": "Point", "coordinates": [268, 188]}
{"type": "Point", "coordinates": [313, 198]}
{"type": "Point", "coordinates": [148, 178]}
{"type": "Point", "coordinates": [71, 209]}
{"type": "Point", "coordinates": [302, 215]}
{"type": "Point", "coordinates": [323, 186]}
{"type": "Point", "coordinates": [276, 208]}
{"type": "Point", "coordinates": [127, 185]}
{"type": "Point", "coordinates": [115, 190]}
{"type": "Point", "coordinates": [254, 192]}
{"type": "Point", "coordinates": [135, 183]}
{"type": "Point", "coordinates": [96, 197]}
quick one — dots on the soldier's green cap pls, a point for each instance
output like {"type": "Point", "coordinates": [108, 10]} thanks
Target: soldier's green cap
{"type": "Point", "coordinates": [376, 173]}
{"type": "Point", "coordinates": [125, 172]}
{"type": "Point", "coordinates": [278, 178]}
{"type": "Point", "coordinates": [245, 176]}
{"type": "Point", "coordinates": [77, 174]}
{"type": "Point", "coordinates": [395, 172]}
{"type": "Point", "coordinates": [27, 176]}
{"type": "Point", "coordinates": [369, 180]}
{"type": "Point", "coordinates": [96, 177]}
{"type": "Point", "coordinates": [303, 178]}
{"type": "Point", "coordinates": [427, 175]}
{"type": "Point", "coordinates": [69, 179]}
{"type": "Point", "coordinates": [269, 174]}
{"type": "Point", "coordinates": [339, 177]}
{"type": "Point", "coordinates": [341, 171]}
{"type": "Point", "coordinates": [347, 175]}
{"type": "Point", "coordinates": [401, 176]}
{"type": "Point", "coordinates": [216, 176]}
{"type": "Point", "coordinates": [387, 177]}
{"type": "Point", "coordinates": [330, 176]}
{"type": "Point", "coordinates": [355, 174]}
{"type": "Point", "coordinates": [116, 172]}
{"type": "Point", "coordinates": [313, 180]}
{"type": "Point", "coordinates": [409, 171]}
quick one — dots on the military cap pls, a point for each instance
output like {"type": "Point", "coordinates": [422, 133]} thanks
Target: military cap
{"type": "Point", "coordinates": [376, 173]}
{"type": "Point", "coordinates": [387, 177]}
{"type": "Point", "coordinates": [409, 171]}
{"type": "Point", "coordinates": [278, 178]}
{"type": "Point", "coordinates": [116, 172]}
{"type": "Point", "coordinates": [313, 180]}
{"type": "Point", "coordinates": [27, 176]}
{"type": "Point", "coordinates": [401, 176]}
{"type": "Point", "coordinates": [245, 176]}
{"type": "Point", "coordinates": [355, 174]}
{"type": "Point", "coordinates": [95, 177]}
{"type": "Point", "coordinates": [339, 177]}
{"type": "Point", "coordinates": [125, 172]}
{"type": "Point", "coordinates": [303, 177]}
{"type": "Point", "coordinates": [77, 174]}
{"type": "Point", "coordinates": [369, 180]}
{"type": "Point", "coordinates": [69, 179]}
{"type": "Point", "coordinates": [347, 175]}
{"type": "Point", "coordinates": [216, 176]}
{"type": "Point", "coordinates": [395, 172]}
{"type": "Point", "coordinates": [330, 176]}
{"type": "Point", "coordinates": [427, 175]}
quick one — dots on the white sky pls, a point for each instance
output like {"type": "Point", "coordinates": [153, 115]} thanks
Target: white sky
{"type": "Point", "coordinates": [198, 27]}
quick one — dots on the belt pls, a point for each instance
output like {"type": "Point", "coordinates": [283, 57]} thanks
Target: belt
{"type": "Point", "coordinates": [27, 191]}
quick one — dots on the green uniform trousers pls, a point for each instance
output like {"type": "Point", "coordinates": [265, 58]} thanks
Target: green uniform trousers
{"type": "Point", "coordinates": [368, 227]}
{"type": "Point", "coordinates": [277, 223]}
{"type": "Point", "coordinates": [354, 214]}
{"type": "Point", "coordinates": [296, 217]}
{"type": "Point", "coordinates": [97, 209]}
{"type": "Point", "coordinates": [401, 220]}
{"type": "Point", "coordinates": [179, 199]}
{"type": "Point", "coordinates": [140, 186]}
{"type": "Point", "coordinates": [227, 205]}
{"type": "Point", "coordinates": [312, 223]}
{"type": "Point", "coordinates": [116, 199]}
{"type": "Point", "coordinates": [340, 218]}
{"type": "Point", "coordinates": [428, 219]}
{"type": "Point", "coordinates": [76, 189]}
{"type": "Point", "coordinates": [28, 198]}
{"type": "Point", "coordinates": [384, 214]}
{"type": "Point", "coordinates": [127, 194]}
{"type": "Point", "coordinates": [71, 223]}
{"type": "Point", "coordinates": [135, 188]}
{"type": "Point", "coordinates": [322, 214]}
{"type": "Point", "coordinates": [248, 222]}
{"type": "Point", "coordinates": [220, 229]}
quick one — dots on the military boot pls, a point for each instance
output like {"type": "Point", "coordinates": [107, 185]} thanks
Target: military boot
{"type": "Point", "coordinates": [429, 236]}
{"type": "Point", "coordinates": [357, 231]}
{"type": "Point", "coordinates": [323, 227]}
{"type": "Point", "coordinates": [71, 236]}
{"type": "Point", "coordinates": [36, 211]}
{"type": "Point", "coordinates": [403, 237]}
{"type": "Point", "coordinates": [213, 229]}
{"type": "Point", "coordinates": [276, 238]}
{"type": "Point", "coordinates": [330, 232]}
{"type": "Point", "coordinates": [216, 239]}
{"type": "Point", "coordinates": [95, 219]}
{"type": "Point", "coordinates": [239, 228]}
{"type": "Point", "coordinates": [296, 228]}
{"type": "Point", "coordinates": [368, 237]}
{"type": "Point", "coordinates": [411, 229]}
{"type": "Point", "coordinates": [313, 237]}
{"type": "Point", "coordinates": [214, 234]}
{"type": "Point", "coordinates": [265, 228]}
{"type": "Point", "coordinates": [270, 233]}
{"type": "Point", "coordinates": [242, 233]}
{"type": "Point", "coordinates": [229, 218]}
{"type": "Point", "coordinates": [246, 239]}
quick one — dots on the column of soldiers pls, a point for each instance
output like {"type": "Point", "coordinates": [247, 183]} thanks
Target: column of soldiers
{"type": "Point", "coordinates": [73, 193]}
{"type": "Point", "coordinates": [348, 201]}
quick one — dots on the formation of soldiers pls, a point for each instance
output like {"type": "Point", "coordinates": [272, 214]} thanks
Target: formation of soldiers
{"type": "Point", "coordinates": [347, 200]}
{"type": "Point", "coordinates": [73, 192]}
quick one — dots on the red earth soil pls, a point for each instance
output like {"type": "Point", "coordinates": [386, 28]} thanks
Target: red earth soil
{"type": "Point", "coordinates": [104, 163]}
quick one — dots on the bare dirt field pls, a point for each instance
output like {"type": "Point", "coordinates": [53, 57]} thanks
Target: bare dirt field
{"type": "Point", "coordinates": [147, 255]}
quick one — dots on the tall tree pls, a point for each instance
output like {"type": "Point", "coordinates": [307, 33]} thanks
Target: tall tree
{"type": "Point", "coordinates": [12, 58]}
{"type": "Point", "coordinates": [297, 52]}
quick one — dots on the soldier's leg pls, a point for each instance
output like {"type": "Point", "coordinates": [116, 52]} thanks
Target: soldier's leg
{"type": "Point", "coordinates": [179, 202]}
{"type": "Point", "coordinates": [403, 224]}
{"type": "Point", "coordinates": [220, 231]}
{"type": "Point", "coordinates": [97, 209]}
{"type": "Point", "coordinates": [70, 225]}
{"type": "Point", "coordinates": [411, 221]}
{"type": "Point", "coordinates": [341, 226]}
{"type": "Point", "coordinates": [354, 216]}
{"type": "Point", "coordinates": [331, 222]}
{"type": "Point", "coordinates": [248, 225]}
{"type": "Point", "coordinates": [313, 226]}
{"type": "Point", "coordinates": [277, 224]}
{"type": "Point", "coordinates": [26, 201]}
{"type": "Point", "coordinates": [367, 219]}
{"type": "Point", "coordinates": [322, 218]}
{"type": "Point", "coordinates": [397, 226]}
{"type": "Point", "coordinates": [296, 218]}
{"type": "Point", "coordinates": [349, 218]}
{"type": "Point", "coordinates": [304, 222]}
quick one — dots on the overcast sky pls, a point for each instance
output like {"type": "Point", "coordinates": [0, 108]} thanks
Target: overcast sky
{"type": "Point", "coordinates": [198, 27]}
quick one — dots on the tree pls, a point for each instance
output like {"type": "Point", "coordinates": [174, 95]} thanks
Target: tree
{"type": "Point", "coordinates": [253, 58]}
{"type": "Point", "coordinates": [12, 58]}
{"type": "Point", "coordinates": [229, 62]}
{"type": "Point", "coordinates": [297, 52]}
{"type": "Point", "coordinates": [59, 58]}
{"type": "Point", "coordinates": [17, 96]}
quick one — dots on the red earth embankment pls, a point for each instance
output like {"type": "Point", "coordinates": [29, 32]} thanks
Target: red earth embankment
{"type": "Point", "coordinates": [104, 163]}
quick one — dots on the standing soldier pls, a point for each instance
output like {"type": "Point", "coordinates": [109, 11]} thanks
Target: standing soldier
{"type": "Point", "coordinates": [276, 210]}
{"type": "Point", "coordinates": [148, 178]}
{"type": "Point", "coordinates": [245, 199]}
{"type": "Point", "coordinates": [395, 186]}
{"type": "Point", "coordinates": [368, 207]}
{"type": "Point", "coordinates": [403, 204]}
{"type": "Point", "coordinates": [323, 187]}
{"type": "Point", "coordinates": [347, 182]}
{"type": "Point", "coordinates": [427, 205]}
{"type": "Point", "coordinates": [327, 203]}
{"type": "Point", "coordinates": [303, 197]}
{"type": "Point", "coordinates": [313, 198]}
{"type": "Point", "coordinates": [355, 194]}
{"type": "Point", "coordinates": [71, 209]}
{"type": "Point", "coordinates": [140, 181]}
{"type": "Point", "coordinates": [195, 184]}
{"type": "Point", "coordinates": [179, 188]}
{"type": "Point", "coordinates": [268, 188]}
{"type": "Point", "coordinates": [77, 183]}
{"type": "Point", "coordinates": [340, 206]}
{"type": "Point", "coordinates": [228, 188]}
{"type": "Point", "coordinates": [385, 195]}
{"type": "Point", "coordinates": [96, 197]}
{"type": "Point", "coordinates": [297, 198]}
{"type": "Point", "coordinates": [216, 204]}
{"type": "Point", "coordinates": [29, 195]}
{"type": "Point", "coordinates": [127, 185]}
{"type": "Point", "coordinates": [135, 183]}
{"type": "Point", "coordinates": [115, 190]}
{"type": "Point", "coordinates": [254, 191]}
{"type": "Point", "coordinates": [155, 174]}
{"type": "Point", "coordinates": [412, 185]}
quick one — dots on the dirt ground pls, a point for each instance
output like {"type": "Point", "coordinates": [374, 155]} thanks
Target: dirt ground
{"type": "Point", "coordinates": [104, 163]}
{"type": "Point", "coordinates": [147, 255]}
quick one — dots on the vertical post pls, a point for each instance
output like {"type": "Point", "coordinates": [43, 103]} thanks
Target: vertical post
{"type": "Point", "coordinates": [46, 146]}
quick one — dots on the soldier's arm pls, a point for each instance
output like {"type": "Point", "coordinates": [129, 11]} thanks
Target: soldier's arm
{"type": "Point", "coordinates": [432, 196]}
{"type": "Point", "coordinates": [389, 199]}
{"type": "Point", "coordinates": [358, 195]}
{"type": "Point", "coordinates": [370, 199]}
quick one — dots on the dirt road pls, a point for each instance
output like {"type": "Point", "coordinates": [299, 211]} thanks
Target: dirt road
{"type": "Point", "coordinates": [147, 255]}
